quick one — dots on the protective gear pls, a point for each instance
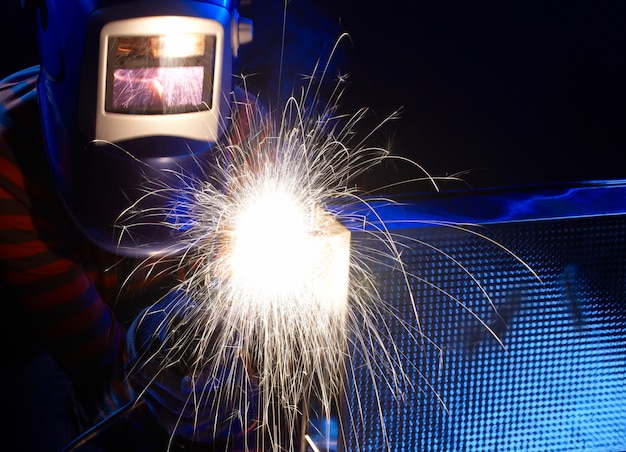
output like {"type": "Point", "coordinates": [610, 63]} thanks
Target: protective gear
{"type": "Point", "coordinates": [199, 402]}
{"type": "Point", "coordinates": [133, 94]}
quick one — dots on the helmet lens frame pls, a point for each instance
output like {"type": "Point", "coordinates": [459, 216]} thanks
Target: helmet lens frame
{"type": "Point", "coordinates": [163, 76]}
{"type": "Point", "coordinates": [160, 74]}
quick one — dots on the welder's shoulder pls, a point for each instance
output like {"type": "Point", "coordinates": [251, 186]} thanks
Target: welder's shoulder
{"type": "Point", "coordinates": [19, 110]}
{"type": "Point", "coordinates": [21, 144]}
{"type": "Point", "coordinates": [18, 88]}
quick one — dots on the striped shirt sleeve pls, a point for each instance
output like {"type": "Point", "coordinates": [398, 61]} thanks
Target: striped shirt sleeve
{"type": "Point", "coordinates": [39, 267]}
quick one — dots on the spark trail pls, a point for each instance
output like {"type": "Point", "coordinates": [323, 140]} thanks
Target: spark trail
{"type": "Point", "coordinates": [273, 271]}
{"type": "Point", "coordinates": [274, 279]}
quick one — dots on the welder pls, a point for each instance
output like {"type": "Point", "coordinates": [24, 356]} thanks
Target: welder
{"type": "Point", "coordinates": [128, 96]}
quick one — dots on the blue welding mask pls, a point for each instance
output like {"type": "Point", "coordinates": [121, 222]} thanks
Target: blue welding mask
{"type": "Point", "coordinates": [133, 97]}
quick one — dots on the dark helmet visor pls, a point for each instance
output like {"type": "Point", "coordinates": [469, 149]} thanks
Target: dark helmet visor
{"type": "Point", "coordinates": [160, 74]}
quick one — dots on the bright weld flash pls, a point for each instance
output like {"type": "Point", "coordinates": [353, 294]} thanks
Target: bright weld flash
{"type": "Point", "coordinates": [282, 250]}
{"type": "Point", "coordinates": [178, 45]}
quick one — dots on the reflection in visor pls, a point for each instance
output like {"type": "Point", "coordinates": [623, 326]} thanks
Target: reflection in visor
{"type": "Point", "coordinates": [160, 74]}
{"type": "Point", "coordinates": [157, 89]}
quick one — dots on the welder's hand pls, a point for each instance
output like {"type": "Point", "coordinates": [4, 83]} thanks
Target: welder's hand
{"type": "Point", "coordinates": [186, 399]}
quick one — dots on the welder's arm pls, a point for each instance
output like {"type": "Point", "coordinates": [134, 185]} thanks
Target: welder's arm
{"type": "Point", "coordinates": [48, 289]}
{"type": "Point", "coordinates": [187, 398]}
{"type": "Point", "coordinates": [60, 304]}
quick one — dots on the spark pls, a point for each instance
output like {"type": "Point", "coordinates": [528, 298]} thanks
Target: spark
{"type": "Point", "coordinates": [311, 443]}
{"type": "Point", "coordinates": [274, 280]}
{"type": "Point", "coordinates": [272, 264]}
{"type": "Point", "coordinates": [272, 275]}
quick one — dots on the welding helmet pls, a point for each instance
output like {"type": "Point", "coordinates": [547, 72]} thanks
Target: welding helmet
{"type": "Point", "coordinates": [133, 96]}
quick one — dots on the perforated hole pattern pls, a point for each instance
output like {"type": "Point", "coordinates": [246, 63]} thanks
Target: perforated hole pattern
{"type": "Point", "coordinates": [557, 382]}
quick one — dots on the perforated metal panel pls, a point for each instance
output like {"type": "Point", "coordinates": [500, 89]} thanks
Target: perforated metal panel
{"type": "Point", "coordinates": [557, 380]}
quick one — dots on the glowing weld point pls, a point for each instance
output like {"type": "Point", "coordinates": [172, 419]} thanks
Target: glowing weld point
{"type": "Point", "coordinates": [284, 249]}
{"type": "Point", "coordinates": [271, 247]}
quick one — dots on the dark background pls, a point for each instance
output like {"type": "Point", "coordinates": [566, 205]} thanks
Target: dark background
{"type": "Point", "coordinates": [515, 92]}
